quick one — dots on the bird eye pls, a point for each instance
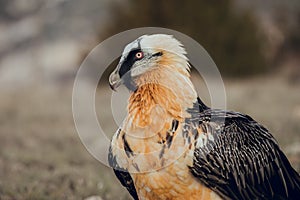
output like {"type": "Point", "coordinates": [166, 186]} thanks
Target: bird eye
{"type": "Point", "coordinates": [139, 55]}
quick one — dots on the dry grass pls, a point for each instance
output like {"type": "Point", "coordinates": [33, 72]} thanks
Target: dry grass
{"type": "Point", "coordinates": [41, 156]}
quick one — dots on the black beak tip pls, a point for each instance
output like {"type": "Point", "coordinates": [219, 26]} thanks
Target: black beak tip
{"type": "Point", "coordinates": [112, 87]}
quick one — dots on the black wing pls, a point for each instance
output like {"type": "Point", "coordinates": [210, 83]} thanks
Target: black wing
{"type": "Point", "coordinates": [123, 176]}
{"type": "Point", "coordinates": [243, 160]}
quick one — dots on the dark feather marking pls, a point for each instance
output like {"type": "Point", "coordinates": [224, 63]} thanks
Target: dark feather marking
{"type": "Point", "coordinates": [162, 151]}
{"type": "Point", "coordinates": [169, 139]}
{"type": "Point", "coordinates": [122, 174]}
{"type": "Point", "coordinates": [170, 133]}
{"type": "Point", "coordinates": [174, 125]}
{"type": "Point", "coordinates": [118, 133]}
{"type": "Point", "coordinates": [157, 54]}
{"type": "Point", "coordinates": [196, 134]}
{"type": "Point", "coordinates": [127, 148]}
{"type": "Point", "coordinates": [243, 161]}
{"type": "Point", "coordinates": [136, 167]}
{"type": "Point", "coordinates": [128, 62]}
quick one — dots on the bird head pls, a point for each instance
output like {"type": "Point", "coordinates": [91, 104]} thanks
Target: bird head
{"type": "Point", "coordinates": [148, 54]}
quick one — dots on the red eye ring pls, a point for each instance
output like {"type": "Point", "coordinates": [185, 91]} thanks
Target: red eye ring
{"type": "Point", "coordinates": [139, 55]}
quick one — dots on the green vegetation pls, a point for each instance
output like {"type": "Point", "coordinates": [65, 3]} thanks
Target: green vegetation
{"type": "Point", "coordinates": [230, 37]}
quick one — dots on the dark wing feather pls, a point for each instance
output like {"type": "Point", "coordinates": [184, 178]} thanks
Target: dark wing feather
{"type": "Point", "coordinates": [123, 176]}
{"type": "Point", "coordinates": [243, 161]}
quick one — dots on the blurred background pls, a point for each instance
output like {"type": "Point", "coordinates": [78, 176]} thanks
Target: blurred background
{"type": "Point", "coordinates": [255, 44]}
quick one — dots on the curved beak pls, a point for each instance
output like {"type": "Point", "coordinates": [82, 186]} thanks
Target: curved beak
{"type": "Point", "coordinates": [114, 79]}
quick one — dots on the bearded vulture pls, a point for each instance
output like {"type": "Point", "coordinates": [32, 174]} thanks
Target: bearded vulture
{"type": "Point", "coordinates": [172, 146]}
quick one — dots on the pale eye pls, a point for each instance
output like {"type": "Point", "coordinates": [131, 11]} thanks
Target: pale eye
{"type": "Point", "coordinates": [139, 55]}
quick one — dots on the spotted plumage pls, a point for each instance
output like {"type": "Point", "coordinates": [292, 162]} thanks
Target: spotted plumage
{"type": "Point", "coordinates": [172, 146]}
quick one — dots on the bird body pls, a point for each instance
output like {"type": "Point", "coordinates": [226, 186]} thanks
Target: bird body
{"type": "Point", "coordinates": [154, 151]}
{"type": "Point", "coordinates": [172, 146]}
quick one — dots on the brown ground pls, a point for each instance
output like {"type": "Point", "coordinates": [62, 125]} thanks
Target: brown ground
{"type": "Point", "coordinates": [41, 156]}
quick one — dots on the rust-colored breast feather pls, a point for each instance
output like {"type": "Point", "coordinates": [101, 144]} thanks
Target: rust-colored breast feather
{"type": "Point", "coordinates": [172, 182]}
{"type": "Point", "coordinates": [144, 106]}
{"type": "Point", "coordinates": [158, 160]}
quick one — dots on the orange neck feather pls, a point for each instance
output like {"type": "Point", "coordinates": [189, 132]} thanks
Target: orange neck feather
{"type": "Point", "coordinates": [161, 92]}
